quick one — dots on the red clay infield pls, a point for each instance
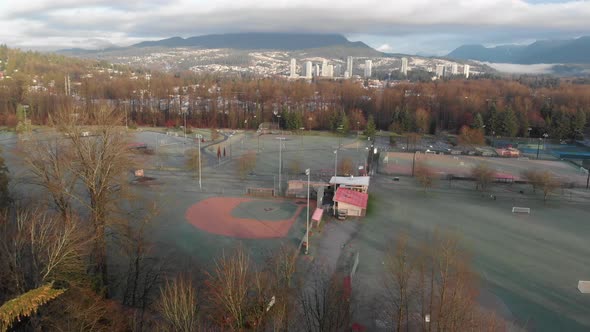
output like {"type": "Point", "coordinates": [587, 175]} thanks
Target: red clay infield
{"type": "Point", "coordinates": [213, 215]}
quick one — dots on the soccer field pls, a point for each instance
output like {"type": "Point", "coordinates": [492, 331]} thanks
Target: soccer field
{"type": "Point", "coordinates": [531, 263]}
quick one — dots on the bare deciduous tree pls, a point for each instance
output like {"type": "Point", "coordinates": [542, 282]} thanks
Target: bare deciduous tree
{"type": "Point", "coordinates": [324, 303]}
{"type": "Point", "coordinates": [179, 304]}
{"type": "Point", "coordinates": [424, 175]}
{"type": "Point", "coordinates": [228, 287]}
{"type": "Point", "coordinates": [399, 283]}
{"type": "Point", "coordinates": [532, 177]}
{"type": "Point", "coordinates": [192, 159]}
{"type": "Point", "coordinates": [548, 183]}
{"type": "Point", "coordinates": [345, 167]}
{"type": "Point", "coordinates": [282, 271]}
{"type": "Point", "coordinates": [246, 163]}
{"type": "Point", "coordinates": [483, 176]}
{"type": "Point", "coordinates": [38, 248]}
{"type": "Point", "coordinates": [98, 144]}
{"type": "Point", "coordinates": [50, 163]}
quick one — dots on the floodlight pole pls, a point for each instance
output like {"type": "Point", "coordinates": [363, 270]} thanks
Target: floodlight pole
{"type": "Point", "coordinates": [336, 163]}
{"type": "Point", "coordinates": [281, 139]}
{"type": "Point", "coordinates": [199, 139]}
{"type": "Point", "coordinates": [414, 163]}
{"type": "Point", "coordinates": [308, 172]}
{"type": "Point", "coordinates": [335, 175]}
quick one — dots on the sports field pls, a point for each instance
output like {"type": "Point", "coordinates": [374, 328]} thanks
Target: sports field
{"type": "Point", "coordinates": [529, 265]}
{"type": "Point", "coordinates": [398, 163]}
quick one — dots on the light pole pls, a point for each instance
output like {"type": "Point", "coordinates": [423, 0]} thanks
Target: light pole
{"type": "Point", "coordinates": [281, 139]}
{"type": "Point", "coordinates": [335, 174]}
{"type": "Point", "coordinates": [307, 172]}
{"type": "Point", "coordinates": [545, 135]}
{"type": "Point", "coordinates": [335, 162]}
{"type": "Point", "coordinates": [414, 163]}
{"type": "Point", "coordinates": [373, 161]}
{"type": "Point", "coordinates": [199, 139]}
{"type": "Point", "coordinates": [230, 136]}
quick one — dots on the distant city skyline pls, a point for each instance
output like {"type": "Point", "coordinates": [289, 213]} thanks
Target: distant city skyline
{"type": "Point", "coordinates": [426, 27]}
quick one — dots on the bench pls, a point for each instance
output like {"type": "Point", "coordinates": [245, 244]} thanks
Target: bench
{"type": "Point", "coordinates": [517, 209]}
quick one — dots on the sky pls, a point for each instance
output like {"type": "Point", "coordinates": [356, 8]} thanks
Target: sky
{"type": "Point", "coordinates": [426, 27]}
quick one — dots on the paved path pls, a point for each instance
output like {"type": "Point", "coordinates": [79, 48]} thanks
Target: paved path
{"type": "Point", "coordinates": [328, 246]}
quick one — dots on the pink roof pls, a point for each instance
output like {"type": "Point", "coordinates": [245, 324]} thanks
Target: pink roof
{"type": "Point", "coordinates": [317, 214]}
{"type": "Point", "coordinates": [348, 196]}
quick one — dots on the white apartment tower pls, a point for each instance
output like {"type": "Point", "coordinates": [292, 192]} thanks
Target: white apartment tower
{"type": "Point", "coordinates": [308, 69]}
{"type": "Point", "coordinates": [349, 65]}
{"type": "Point", "coordinates": [454, 69]}
{"type": "Point", "coordinates": [324, 68]}
{"type": "Point", "coordinates": [404, 68]}
{"type": "Point", "coordinates": [466, 71]}
{"type": "Point", "coordinates": [440, 71]}
{"type": "Point", "coordinates": [368, 68]}
{"type": "Point", "coordinates": [293, 69]}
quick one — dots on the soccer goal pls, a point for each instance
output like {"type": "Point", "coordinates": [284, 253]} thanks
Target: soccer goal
{"type": "Point", "coordinates": [584, 286]}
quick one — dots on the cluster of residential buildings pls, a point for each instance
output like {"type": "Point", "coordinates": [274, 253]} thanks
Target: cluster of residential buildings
{"type": "Point", "coordinates": [452, 70]}
{"type": "Point", "coordinates": [327, 70]}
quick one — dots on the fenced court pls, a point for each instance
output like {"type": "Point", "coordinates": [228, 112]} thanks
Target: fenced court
{"type": "Point", "coordinates": [399, 163]}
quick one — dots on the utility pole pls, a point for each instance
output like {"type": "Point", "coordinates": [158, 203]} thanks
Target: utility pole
{"type": "Point", "coordinates": [199, 139]}
{"type": "Point", "coordinates": [308, 172]}
{"type": "Point", "coordinates": [336, 163]}
{"type": "Point", "coordinates": [281, 139]}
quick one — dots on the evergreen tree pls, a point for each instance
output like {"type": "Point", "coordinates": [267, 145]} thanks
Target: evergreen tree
{"type": "Point", "coordinates": [477, 121]}
{"type": "Point", "coordinates": [371, 127]}
{"type": "Point", "coordinates": [493, 122]}
{"type": "Point", "coordinates": [344, 124]}
{"type": "Point", "coordinates": [560, 126]}
{"type": "Point", "coordinates": [579, 122]}
{"type": "Point", "coordinates": [407, 121]}
{"type": "Point", "coordinates": [509, 124]}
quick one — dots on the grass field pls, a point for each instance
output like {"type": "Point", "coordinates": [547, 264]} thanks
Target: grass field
{"type": "Point", "coordinates": [401, 164]}
{"type": "Point", "coordinates": [531, 263]}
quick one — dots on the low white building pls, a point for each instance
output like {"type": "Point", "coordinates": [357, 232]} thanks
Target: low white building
{"type": "Point", "coordinates": [357, 183]}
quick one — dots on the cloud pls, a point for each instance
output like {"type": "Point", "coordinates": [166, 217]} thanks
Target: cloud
{"type": "Point", "coordinates": [384, 48]}
{"type": "Point", "coordinates": [407, 27]}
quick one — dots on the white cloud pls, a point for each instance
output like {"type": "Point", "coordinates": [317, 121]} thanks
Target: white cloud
{"type": "Point", "coordinates": [45, 22]}
{"type": "Point", "coordinates": [384, 48]}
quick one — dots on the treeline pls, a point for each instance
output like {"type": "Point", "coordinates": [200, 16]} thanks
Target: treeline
{"type": "Point", "coordinates": [521, 106]}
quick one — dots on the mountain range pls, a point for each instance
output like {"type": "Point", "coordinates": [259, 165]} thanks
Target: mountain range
{"type": "Point", "coordinates": [250, 41]}
{"type": "Point", "coordinates": [572, 51]}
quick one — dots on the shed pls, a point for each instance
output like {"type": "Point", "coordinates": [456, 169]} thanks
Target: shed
{"type": "Point", "coordinates": [352, 202]}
